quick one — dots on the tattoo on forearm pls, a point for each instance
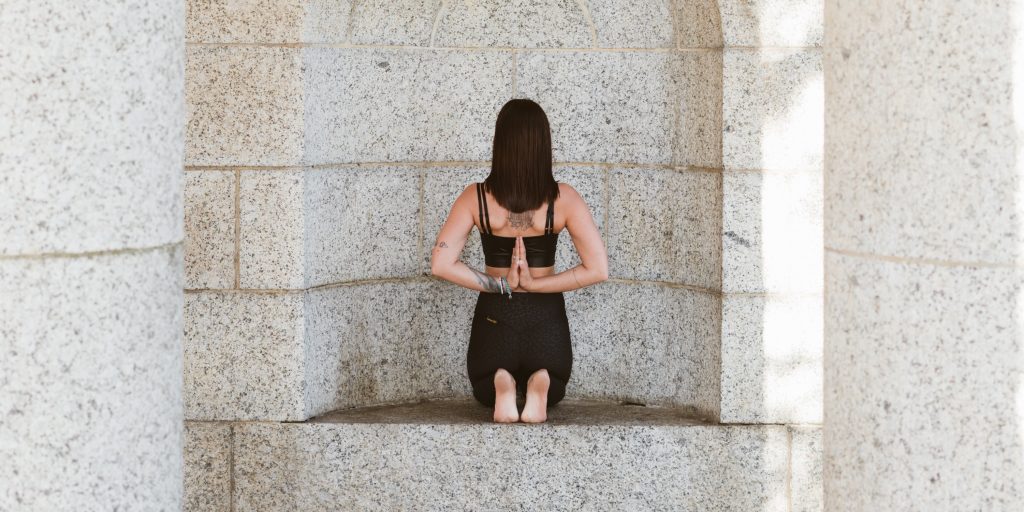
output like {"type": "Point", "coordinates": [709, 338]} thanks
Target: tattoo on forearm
{"type": "Point", "coordinates": [442, 244]}
{"type": "Point", "coordinates": [489, 283]}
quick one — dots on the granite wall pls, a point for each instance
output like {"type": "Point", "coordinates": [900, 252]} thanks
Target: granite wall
{"type": "Point", "coordinates": [327, 141]}
{"type": "Point", "coordinates": [92, 109]}
{"type": "Point", "coordinates": [924, 395]}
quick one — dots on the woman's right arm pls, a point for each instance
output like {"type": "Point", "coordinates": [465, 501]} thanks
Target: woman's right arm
{"type": "Point", "coordinates": [585, 236]}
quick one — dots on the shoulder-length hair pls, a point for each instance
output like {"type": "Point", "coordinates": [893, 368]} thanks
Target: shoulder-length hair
{"type": "Point", "coordinates": [521, 177]}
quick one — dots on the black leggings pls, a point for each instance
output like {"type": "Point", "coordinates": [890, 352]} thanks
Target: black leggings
{"type": "Point", "coordinates": [521, 334]}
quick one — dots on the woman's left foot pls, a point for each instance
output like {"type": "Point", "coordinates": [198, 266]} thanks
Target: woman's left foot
{"type": "Point", "coordinates": [536, 409]}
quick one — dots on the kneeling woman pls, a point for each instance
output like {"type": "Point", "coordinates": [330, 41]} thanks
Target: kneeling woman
{"type": "Point", "coordinates": [520, 343]}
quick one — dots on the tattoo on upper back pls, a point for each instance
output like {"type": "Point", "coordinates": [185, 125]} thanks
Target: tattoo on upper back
{"type": "Point", "coordinates": [520, 220]}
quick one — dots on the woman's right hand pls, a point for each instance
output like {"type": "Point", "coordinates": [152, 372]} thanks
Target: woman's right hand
{"type": "Point", "coordinates": [513, 271]}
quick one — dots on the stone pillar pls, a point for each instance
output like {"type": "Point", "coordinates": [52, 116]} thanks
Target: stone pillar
{"type": "Point", "coordinates": [91, 157]}
{"type": "Point", "coordinates": [924, 380]}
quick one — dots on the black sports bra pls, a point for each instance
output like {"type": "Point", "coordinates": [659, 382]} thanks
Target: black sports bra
{"type": "Point", "coordinates": [540, 249]}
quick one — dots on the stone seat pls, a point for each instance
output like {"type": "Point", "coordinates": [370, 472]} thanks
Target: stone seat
{"type": "Point", "coordinates": [447, 454]}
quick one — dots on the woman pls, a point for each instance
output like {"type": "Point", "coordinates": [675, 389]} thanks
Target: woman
{"type": "Point", "coordinates": [520, 342]}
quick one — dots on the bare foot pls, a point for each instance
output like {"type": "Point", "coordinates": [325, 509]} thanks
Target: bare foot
{"type": "Point", "coordinates": [536, 409]}
{"type": "Point", "coordinates": [505, 410]}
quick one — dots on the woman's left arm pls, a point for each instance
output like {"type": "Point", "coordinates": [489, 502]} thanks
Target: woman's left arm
{"type": "Point", "coordinates": [444, 256]}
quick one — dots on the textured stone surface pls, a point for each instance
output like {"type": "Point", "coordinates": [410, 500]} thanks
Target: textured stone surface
{"type": "Point", "coordinates": [362, 223]}
{"type": "Point", "coordinates": [773, 101]}
{"type": "Point", "coordinates": [368, 343]}
{"type": "Point", "coordinates": [467, 411]}
{"type": "Point", "coordinates": [210, 229]}
{"type": "Point", "coordinates": [699, 23]}
{"type": "Point", "coordinates": [207, 466]}
{"type": "Point", "coordinates": [271, 223]}
{"type": "Point", "coordinates": [90, 382]}
{"type": "Point", "coordinates": [524, 24]}
{"type": "Point", "coordinates": [394, 22]}
{"type": "Point", "coordinates": [772, 22]}
{"type": "Point", "coordinates": [267, 21]}
{"type": "Point", "coordinates": [771, 358]}
{"type": "Point", "coordinates": [245, 105]}
{"type": "Point", "coordinates": [386, 341]}
{"type": "Point", "coordinates": [665, 225]}
{"type": "Point", "coordinates": [605, 106]}
{"type": "Point", "coordinates": [772, 232]}
{"type": "Point", "coordinates": [700, 110]}
{"type": "Point", "coordinates": [632, 23]}
{"type": "Point", "coordinates": [244, 356]}
{"type": "Point", "coordinates": [645, 343]}
{"type": "Point", "coordinates": [924, 366]}
{"type": "Point", "coordinates": [805, 469]}
{"type": "Point", "coordinates": [403, 104]}
{"type": "Point", "coordinates": [90, 137]}
{"type": "Point", "coordinates": [925, 161]}
{"type": "Point", "coordinates": [513, 467]}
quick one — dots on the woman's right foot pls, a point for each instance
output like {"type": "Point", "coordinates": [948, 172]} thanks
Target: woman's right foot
{"type": "Point", "coordinates": [505, 409]}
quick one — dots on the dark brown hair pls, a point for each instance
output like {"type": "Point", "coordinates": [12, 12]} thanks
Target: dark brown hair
{"type": "Point", "coordinates": [521, 178]}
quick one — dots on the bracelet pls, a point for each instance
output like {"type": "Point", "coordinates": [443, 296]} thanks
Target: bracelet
{"type": "Point", "coordinates": [505, 286]}
{"type": "Point", "coordinates": [574, 277]}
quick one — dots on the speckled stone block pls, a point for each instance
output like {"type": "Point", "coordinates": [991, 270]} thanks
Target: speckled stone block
{"type": "Point", "coordinates": [267, 21]}
{"type": "Point", "coordinates": [773, 109]}
{"type": "Point", "coordinates": [700, 110]}
{"type": "Point", "coordinates": [245, 105]}
{"type": "Point", "coordinates": [90, 382]}
{"type": "Point", "coordinates": [646, 343]}
{"type": "Point", "coordinates": [523, 24]}
{"type": "Point", "coordinates": [370, 343]}
{"type": "Point", "coordinates": [772, 22]}
{"type": "Point", "coordinates": [605, 106]}
{"type": "Point", "coordinates": [394, 22]}
{"type": "Point", "coordinates": [923, 368]}
{"type": "Point", "coordinates": [805, 469]}
{"type": "Point", "coordinates": [207, 467]}
{"type": "Point", "coordinates": [362, 223]}
{"type": "Point", "coordinates": [271, 224]}
{"type": "Point", "coordinates": [932, 171]}
{"type": "Point", "coordinates": [209, 229]}
{"type": "Point", "coordinates": [90, 132]}
{"type": "Point", "coordinates": [771, 358]}
{"type": "Point", "coordinates": [632, 23]}
{"type": "Point", "coordinates": [387, 105]}
{"type": "Point", "coordinates": [675, 466]}
{"type": "Point", "coordinates": [698, 23]}
{"type": "Point", "coordinates": [443, 185]}
{"type": "Point", "coordinates": [244, 356]}
{"type": "Point", "coordinates": [665, 225]}
{"type": "Point", "coordinates": [772, 232]}
{"type": "Point", "coordinates": [386, 341]}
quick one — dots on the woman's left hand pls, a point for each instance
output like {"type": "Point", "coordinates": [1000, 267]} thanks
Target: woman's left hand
{"type": "Point", "coordinates": [525, 279]}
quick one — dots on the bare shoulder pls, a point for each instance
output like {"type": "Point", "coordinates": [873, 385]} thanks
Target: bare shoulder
{"type": "Point", "coordinates": [569, 198]}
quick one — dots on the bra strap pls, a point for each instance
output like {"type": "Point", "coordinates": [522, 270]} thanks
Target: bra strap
{"type": "Point", "coordinates": [485, 218]}
{"type": "Point", "coordinates": [549, 226]}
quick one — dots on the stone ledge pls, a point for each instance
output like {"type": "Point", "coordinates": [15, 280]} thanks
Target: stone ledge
{"type": "Point", "coordinates": [465, 410]}
{"type": "Point", "coordinates": [448, 454]}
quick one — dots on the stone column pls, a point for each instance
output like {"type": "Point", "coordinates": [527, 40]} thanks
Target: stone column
{"type": "Point", "coordinates": [91, 157]}
{"type": "Point", "coordinates": [924, 381]}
